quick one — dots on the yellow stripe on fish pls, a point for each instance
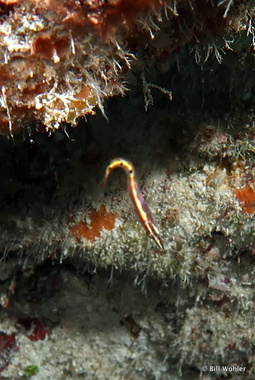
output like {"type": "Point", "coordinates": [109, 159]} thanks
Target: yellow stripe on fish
{"type": "Point", "coordinates": [140, 205]}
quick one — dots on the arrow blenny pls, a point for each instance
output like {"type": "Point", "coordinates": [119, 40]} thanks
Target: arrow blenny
{"type": "Point", "coordinates": [139, 203]}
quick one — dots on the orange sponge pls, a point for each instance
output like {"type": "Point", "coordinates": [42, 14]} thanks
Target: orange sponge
{"type": "Point", "coordinates": [246, 196]}
{"type": "Point", "coordinates": [99, 219]}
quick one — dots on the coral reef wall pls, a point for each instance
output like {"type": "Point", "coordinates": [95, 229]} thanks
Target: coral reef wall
{"type": "Point", "coordinates": [59, 60]}
{"type": "Point", "coordinates": [84, 292]}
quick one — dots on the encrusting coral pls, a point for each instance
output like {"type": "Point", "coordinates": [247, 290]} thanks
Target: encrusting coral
{"type": "Point", "coordinates": [61, 60]}
{"type": "Point", "coordinates": [58, 61]}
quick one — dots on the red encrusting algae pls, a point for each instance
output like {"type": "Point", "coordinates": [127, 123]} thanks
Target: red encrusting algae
{"type": "Point", "coordinates": [7, 345]}
{"type": "Point", "coordinates": [35, 328]}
